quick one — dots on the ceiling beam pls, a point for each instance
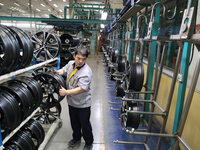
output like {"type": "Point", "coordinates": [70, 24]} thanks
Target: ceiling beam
{"type": "Point", "coordinates": [53, 19]}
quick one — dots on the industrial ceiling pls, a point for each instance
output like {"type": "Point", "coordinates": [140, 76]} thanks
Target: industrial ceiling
{"type": "Point", "coordinates": [38, 8]}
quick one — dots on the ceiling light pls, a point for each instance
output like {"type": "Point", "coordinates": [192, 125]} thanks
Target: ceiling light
{"type": "Point", "coordinates": [37, 9]}
{"type": "Point", "coordinates": [102, 26]}
{"type": "Point", "coordinates": [16, 4]}
{"type": "Point", "coordinates": [49, 9]}
{"type": "Point", "coordinates": [1, 4]}
{"type": "Point", "coordinates": [50, 0]}
{"type": "Point", "coordinates": [64, 0]}
{"type": "Point", "coordinates": [60, 10]}
{"type": "Point", "coordinates": [55, 5]}
{"type": "Point", "coordinates": [42, 5]}
{"type": "Point", "coordinates": [104, 15]}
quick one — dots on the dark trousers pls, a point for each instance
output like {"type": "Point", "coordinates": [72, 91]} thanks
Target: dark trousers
{"type": "Point", "coordinates": [80, 121]}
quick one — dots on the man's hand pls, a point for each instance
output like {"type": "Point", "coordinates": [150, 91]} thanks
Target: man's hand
{"type": "Point", "coordinates": [60, 72]}
{"type": "Point", "coordinates": [63, 91]}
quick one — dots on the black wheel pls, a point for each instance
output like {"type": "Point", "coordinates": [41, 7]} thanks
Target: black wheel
{"type": "Point", "coordinates": [120, 91]}
{"type": "Point", "coordinates": [36, 131]}
{"type": "Point", "coordinates": [24, 101]}
{"type": "Point", "coordinates": [50, 83]}
{"type": "Point", "coordinates": [69, 41]}
{"type": "Point", "coordinates": [9, 50]}
{"type": "Point", "coordinates": [26, 47]}
{"type": "Point", "coordinates": [129, 119]}
{"type": "Point", "coordinates": [22, 140]}
{"type": "Point", "coordinates": [121, 63]}
{"type": "Point", "coordinates": [33, 86]}
{"type": "Point", "coordinates": [136, 77]}
{"type": "Point", "coordinates": [48, 115]}
{"type": "Point", "coordinates": [11, 115]}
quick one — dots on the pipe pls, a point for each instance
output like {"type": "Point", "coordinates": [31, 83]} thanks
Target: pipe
{"type": "Point", "coordinates": [49, 134]}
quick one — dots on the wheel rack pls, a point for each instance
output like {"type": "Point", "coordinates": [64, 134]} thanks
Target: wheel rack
{"type": "Point", "coordinates": [57, 124]}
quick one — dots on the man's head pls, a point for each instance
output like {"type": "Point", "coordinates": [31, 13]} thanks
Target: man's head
{"type": "Point", "coordinates": [80, 56]}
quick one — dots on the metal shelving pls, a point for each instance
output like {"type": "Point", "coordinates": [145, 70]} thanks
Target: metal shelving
{"type": "Point", "coordinates": [53, 127]}
{"type": "Point", "coordinates": [135, 8]}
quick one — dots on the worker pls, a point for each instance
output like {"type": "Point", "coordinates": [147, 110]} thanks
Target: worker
{"type": "Point", "coordinates": [79, 76]}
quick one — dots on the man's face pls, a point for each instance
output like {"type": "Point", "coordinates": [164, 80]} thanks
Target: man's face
{"type": "Point", "coordinates": [79, 60]}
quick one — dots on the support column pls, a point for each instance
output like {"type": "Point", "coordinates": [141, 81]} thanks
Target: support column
{"type": "Point", "coordinates": [153, 53]}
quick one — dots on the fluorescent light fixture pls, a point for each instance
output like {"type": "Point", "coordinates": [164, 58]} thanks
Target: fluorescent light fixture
{"type": "Point", "coordinates": [49, 10]}
{"type": "Point", "coordinates": [60, 10]}
{"type": "Point", "coordinates": [1, 4]}
{"type": "Point", "coordinates": [104, 15]}
{"type": "Point", "coordinates": [64, 0]}
{"type": "Point", "coordinates": [50, 0]}
{"type": "Point", "coordinates": [17, 4]}
{"type": "Point", "coordinates": [42, 5]}
{"type": "Point", "coordinates": [102, 26]}
{"type": "Point", "coordinates": [38, 9]}
{"type": "Point", "coordinates": [55, 5]}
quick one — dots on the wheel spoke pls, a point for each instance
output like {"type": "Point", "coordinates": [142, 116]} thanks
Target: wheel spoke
{"type": "Point", "coordinates": [46, 38]}
{"type": "Point", "coordinates": [36, 39]}
{"type": "Point", "coordinates": [37, 52]}
{"type": "Point", "coordinates": [49, 54]}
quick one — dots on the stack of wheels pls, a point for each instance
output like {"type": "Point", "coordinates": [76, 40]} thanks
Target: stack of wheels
{"type": "Point", "coordinates": [50, 107]}
{"type": "Point", "coordinates": [46, 46]}
{"type": "Point", "coordinates": [19, 98]}
{"type": "Point", "coordinates": [16, 49]}
{"type": "Point", "coordinates": [135, 79]}
{"type": "Point", "coordinates": [30, 136]}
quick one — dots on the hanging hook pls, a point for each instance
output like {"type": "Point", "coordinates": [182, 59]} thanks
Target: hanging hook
{"type": "Point", "coordinates": [174, 14]}
{"type": "Point", "coordinates": [138, 23]}
{"type": "Point", "coordinates": [153, 8]}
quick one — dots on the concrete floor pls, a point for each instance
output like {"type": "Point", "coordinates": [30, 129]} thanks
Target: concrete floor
{"type": "Point", "coordinates": [106, 124]}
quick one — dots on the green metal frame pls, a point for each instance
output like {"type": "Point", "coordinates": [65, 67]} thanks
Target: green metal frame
{"type": "Point", "coordinates": [172, 45]}
{"type": "Point", "coordinates": [183, 84]}
{"type": "Point", "coordinates": [153, 53]}
{"type": "Point", "coordinates": [53, 19]}
{"type": "Point", "coordinates": [132, 36]}
{"type": "Point", "coordinates": [123, 38]}
{"type": "Point", "coordinates": [86, 8]}
{"type": "Point", "coordinates": [145, 31]}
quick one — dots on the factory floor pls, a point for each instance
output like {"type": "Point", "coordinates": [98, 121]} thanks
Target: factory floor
{"type": "Point", "coordinates": [105, 122]}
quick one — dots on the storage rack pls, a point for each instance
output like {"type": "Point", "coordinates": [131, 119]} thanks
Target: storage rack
{"type": "Point", "coordinates": [54, 126]}
{"type": "Point", "coordinates": [182, 39]}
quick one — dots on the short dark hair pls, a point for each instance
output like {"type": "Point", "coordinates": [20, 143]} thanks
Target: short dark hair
{"type": "Point", "coordinates": [82, 51]}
